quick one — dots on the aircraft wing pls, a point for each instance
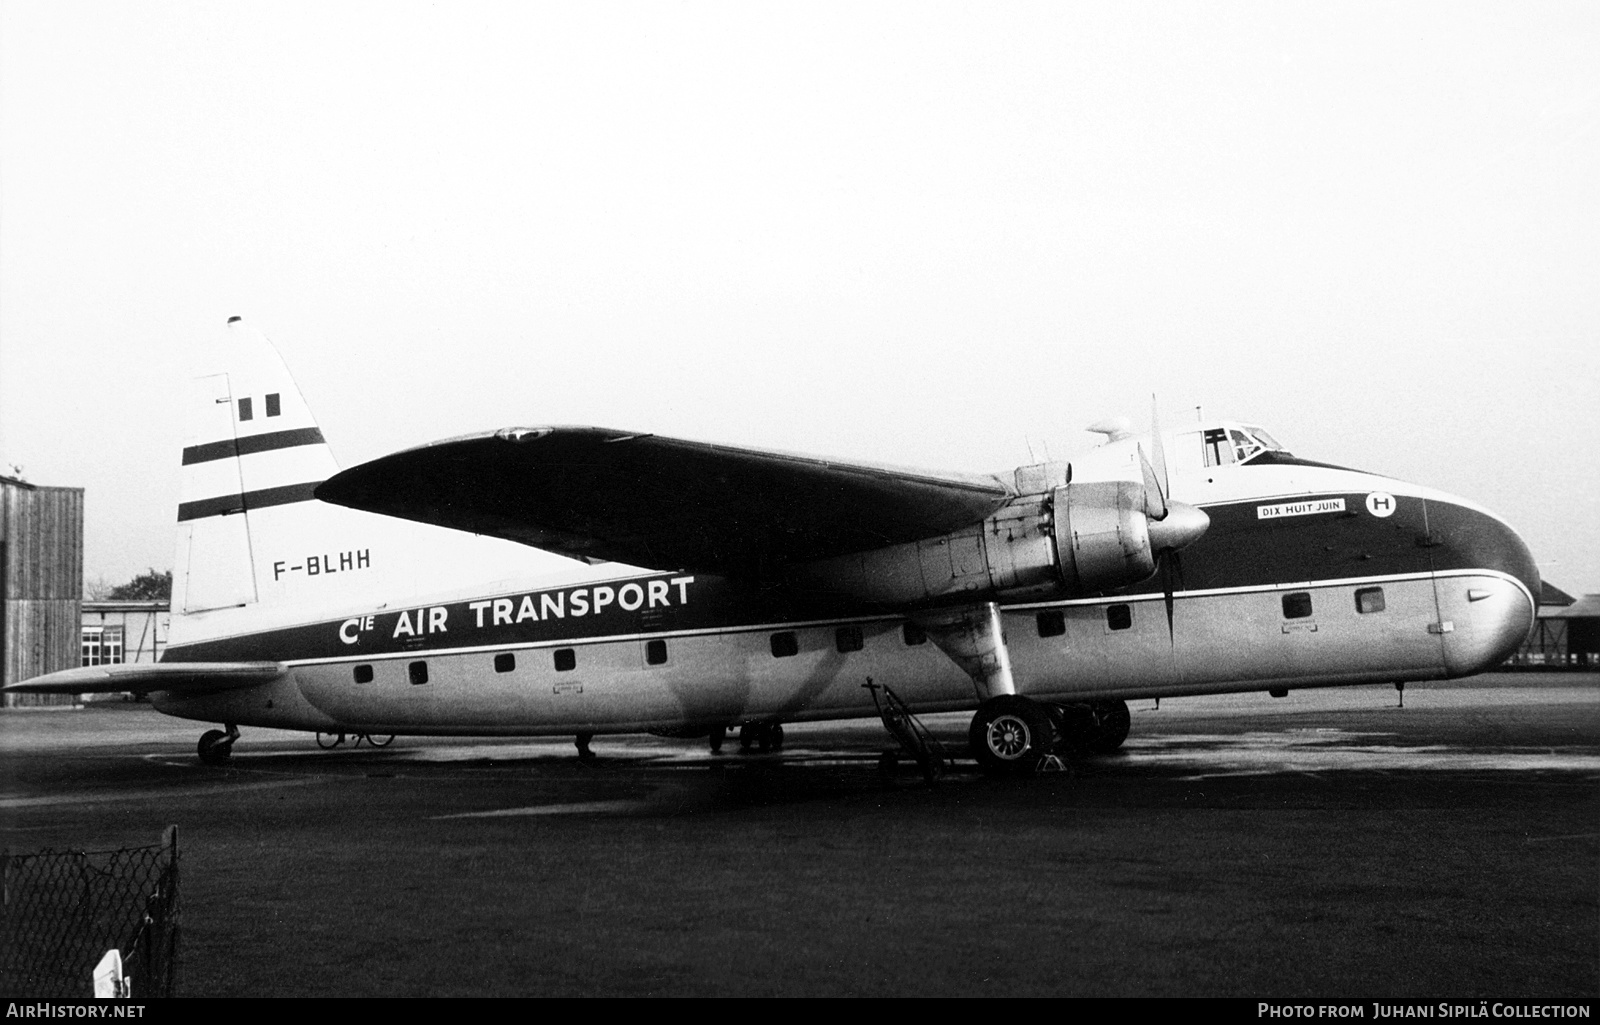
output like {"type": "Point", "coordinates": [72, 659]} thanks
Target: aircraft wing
{"type": "Point", "coordinates": [661, 503]}
{"type": "Point", "coordinates": [142, 677]}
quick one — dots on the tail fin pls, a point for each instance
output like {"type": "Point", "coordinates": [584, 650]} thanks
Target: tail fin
{"type": "Point", "coordinates": [257, 549]}
{"type": "Point", "coordinates": [252, 455]}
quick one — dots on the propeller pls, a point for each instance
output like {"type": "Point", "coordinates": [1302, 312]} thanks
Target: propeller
{"type": "Point", "coordinates": [1179, 523]}
{"type": "Point", "coordinates": [1173, 525]}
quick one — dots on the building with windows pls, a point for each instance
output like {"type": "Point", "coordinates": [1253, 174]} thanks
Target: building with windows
{"type": "Point", "coordinates": [41, 584]}
{"type": "Point", "coordinates": [124, 631]}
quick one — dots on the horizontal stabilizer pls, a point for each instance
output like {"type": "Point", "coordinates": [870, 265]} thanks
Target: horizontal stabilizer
{"type": "Point", "coordinates": [142, 677]}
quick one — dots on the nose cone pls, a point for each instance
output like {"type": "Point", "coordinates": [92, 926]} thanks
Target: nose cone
{"type": "Point", "coordinates": [1181, 527]}
{"type": "Point", "coordinates": [1487, 585]}
{"type": "Point", "coordinates": [1462, 537]}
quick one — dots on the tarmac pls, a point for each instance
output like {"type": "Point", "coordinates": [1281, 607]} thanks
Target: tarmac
{"type": "Point", "coordinates": [1326, 844]}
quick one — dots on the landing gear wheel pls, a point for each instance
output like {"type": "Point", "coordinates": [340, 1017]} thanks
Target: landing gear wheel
{"type": "Point", "coordinates": [763, 736]}
{"type": "Point", "coordinates": [718, 735]}
{"type": "Point", "coordinates": [1011, 734]}
{"type": "Point", "coordinates": [216, 747]}
{"type": "Point", "coordinates": [329, 740]}
{"type": "Point", "coordinates": [1075, 728]}
{"type": "Point", "coordinates": [380, 739]}
{"type": "Point", "coordinates": [1111, 725]}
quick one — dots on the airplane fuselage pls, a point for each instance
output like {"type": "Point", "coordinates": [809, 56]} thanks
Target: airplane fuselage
{"type": "Point", "coordinates": [1365, 579]}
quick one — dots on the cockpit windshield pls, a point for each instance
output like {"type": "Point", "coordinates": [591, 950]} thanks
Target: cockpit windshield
{"type": "Point", "coordinates": [1228, 444]}
{"type": "Point", "coordinates": [1250, 441]}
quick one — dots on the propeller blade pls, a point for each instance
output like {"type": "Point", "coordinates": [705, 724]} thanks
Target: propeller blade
{"type": "Point", "coordinates": [1155, 496]}
{"type": "Point", "coordinates": [1161, 451]}
{"type": "Point", "coordinates": [1171, 566]}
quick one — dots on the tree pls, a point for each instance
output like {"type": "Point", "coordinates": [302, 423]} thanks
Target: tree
{"type": "Point", "coordinates": [151, 586]}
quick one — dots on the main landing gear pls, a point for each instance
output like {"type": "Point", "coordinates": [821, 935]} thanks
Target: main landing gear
{"type": "Point", "coordinates": [1011, 734]}
{"type": "Point", "coordinates": [332, 740]}
{"type": "Point", "coordinates": [216, 746]}
{"type": "Point", "coordinates": [763, 736]}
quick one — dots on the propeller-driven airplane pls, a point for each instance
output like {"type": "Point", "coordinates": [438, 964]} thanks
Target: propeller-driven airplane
{"type": "Point", "coordinates": [717, 587]}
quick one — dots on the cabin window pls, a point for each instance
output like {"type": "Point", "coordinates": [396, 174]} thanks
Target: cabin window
{"type": "Point", "coordinates": [1296, 605]}
{"type": "Point", "coordinates": [245, 412]}
{"type": "Point", "coordinates": [848, 638]}
{"type": "Point", "coordinates": [655, 652]}
{"type": "Point", "coordinates": [785, 644]}
{"type": "Point", "coordinates": [1369, 599]}
{"type": "Point", "coordinates": [273, 408]}
{"type": "Point", "coordinates": [363, 674]}
{"type": "Point", "coordinates": [913, 635]}
{"type": "Point", "coordinates": [1119, 617]}
{"type": "Point", "coordinates": [1052, 623]}
{"type": "Point", "coordinates": [505, 662]}
{"type": "Point", "coordinates": [566, 660]}
{"type": "Point", "coordinates": [418, 672]}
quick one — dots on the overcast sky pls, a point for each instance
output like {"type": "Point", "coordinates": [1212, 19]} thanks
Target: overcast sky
{"type": "Point", "coordinates": [927, 234]}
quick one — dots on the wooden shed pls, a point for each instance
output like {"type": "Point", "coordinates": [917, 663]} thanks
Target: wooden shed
{"type": "Point", "coordinates": [41, 582]}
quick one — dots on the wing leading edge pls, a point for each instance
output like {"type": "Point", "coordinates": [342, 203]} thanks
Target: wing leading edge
{"type": "Point", "coordinates": [661, 503]}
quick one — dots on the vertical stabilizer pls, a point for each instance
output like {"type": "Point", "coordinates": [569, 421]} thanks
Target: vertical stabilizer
{"type": "Point", "coordinates": [252, 454]}
{"type": "Point", "coordinates": [256, 549]}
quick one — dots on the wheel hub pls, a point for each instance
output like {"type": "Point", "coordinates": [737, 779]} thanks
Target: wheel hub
{"type": "Point", "coordinates": [1008, 737]}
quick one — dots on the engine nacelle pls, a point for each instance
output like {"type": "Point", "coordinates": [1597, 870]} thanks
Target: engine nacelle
{"type": "Point", "coordinates": [1075, 539]}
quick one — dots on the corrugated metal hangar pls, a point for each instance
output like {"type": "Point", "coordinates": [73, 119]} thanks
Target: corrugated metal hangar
{"type": "Point", "coordinates": [41, 581]}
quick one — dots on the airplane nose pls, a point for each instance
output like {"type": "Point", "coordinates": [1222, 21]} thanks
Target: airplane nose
{"type": "Point", "coordinates": [1181, 527]}
{"type": "Point", "coordinates": [1487, 585]}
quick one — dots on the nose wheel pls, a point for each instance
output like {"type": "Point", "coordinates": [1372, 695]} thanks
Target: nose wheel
{"type": "Point", "coordinates": [216, 746]}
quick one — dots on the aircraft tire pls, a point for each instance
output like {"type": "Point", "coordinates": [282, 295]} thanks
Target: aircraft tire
{"type": "Point", "coordinates": [1111, 725]}
{"type": "Point", "coordinates": [215, 747]}
{"type": "Point", "coordinates": [1075, 729]}
{"type": "Point", "coordinates": [1010, 734]}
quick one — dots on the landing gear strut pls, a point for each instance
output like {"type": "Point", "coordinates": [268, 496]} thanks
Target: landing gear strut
{"type": "Point", "coordinates": [216, 746]}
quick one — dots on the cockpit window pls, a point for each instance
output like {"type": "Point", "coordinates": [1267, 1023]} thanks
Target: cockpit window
{"type": "Point", "coordinates": [1218, 451]}
{"type": "Point", "coordinates": [1229, 444]}
{"type": "Point", "coordinates": [1244, 446]}
{"type": "Point", "coordinates": [1267, 441]}
{"type": "Point", "coordinates": [1249, 442]}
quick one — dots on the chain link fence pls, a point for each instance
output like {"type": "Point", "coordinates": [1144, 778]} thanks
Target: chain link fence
{"type": "Point", "coordinates": [63, 910]}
